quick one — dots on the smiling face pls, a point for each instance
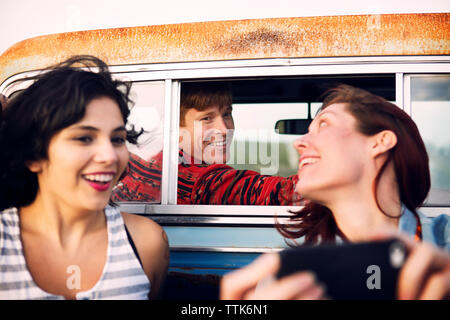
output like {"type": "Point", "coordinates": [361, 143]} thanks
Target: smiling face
{"type": "Point", "coordinates": [86, 159]}
{"type": "Point", "coordinates": [207, 134]}
{"type": "Point", "coordinates": [333, 155]}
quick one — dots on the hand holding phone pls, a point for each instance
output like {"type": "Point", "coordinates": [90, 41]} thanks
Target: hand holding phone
{"type": "Point", "coordinates": [366, 270]}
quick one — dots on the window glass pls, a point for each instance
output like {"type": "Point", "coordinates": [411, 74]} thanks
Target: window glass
{"type": "Point", "coordinates": [143, 180]}
{"type": "Point", "coordinates": [430, 109]}
{"type": "Point", "coordinates": [258, 146]}
{"type": "Point", "coordinates": [147, 114]}
{"type": "Point", "coordinates": [250, 138]}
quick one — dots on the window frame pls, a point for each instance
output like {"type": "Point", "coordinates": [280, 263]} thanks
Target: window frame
{"type": "Point", "coordinates": [174, 73]}
{"type": "Point", "coordinates": [428, 209]}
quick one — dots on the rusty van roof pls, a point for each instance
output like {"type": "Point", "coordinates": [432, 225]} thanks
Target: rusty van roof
{"type": "Point", "coordinates": [330, 36]}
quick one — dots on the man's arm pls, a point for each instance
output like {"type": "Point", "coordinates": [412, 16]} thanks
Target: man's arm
{"type": "Point", "coordinates": [141, 181]}
{"type": "Point", "coordinates": [216, 184]}
{"type": "Point", "coordinates": [221, 184]}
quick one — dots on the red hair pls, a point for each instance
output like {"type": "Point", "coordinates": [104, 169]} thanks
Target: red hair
{"type": "Point", "coordinates": [373, 114]}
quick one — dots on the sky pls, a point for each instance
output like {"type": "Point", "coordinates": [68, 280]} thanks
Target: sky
{"type": "Point", "coordinates": [22, 19]}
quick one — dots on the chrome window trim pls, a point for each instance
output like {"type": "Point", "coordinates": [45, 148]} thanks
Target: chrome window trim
{"type": "Point", "coordinates": [225, 249]}
{"type": "Point", "coordinates": [407, 94]}
{"type": "Point", "coordinates": [173, 66]}
{"type": "Point", "coordinates": [280, 66]}
{"type": "Point", "coordinates": [8, 86]}
{"type": "Point", "coordinates": [305, 70]}
{"type": "Point", "coordinates": [174, 220]}
{"type": "Point", "coordinates": [211, 210]}
{"type": "Point", "coordinates": [174, 141]}
{"type": "Point", "coordinates": [213, 215]}
{"type": "Point", "coordinates": [399, 90]}
{"type": "Point", "coordinates": [171, 106]}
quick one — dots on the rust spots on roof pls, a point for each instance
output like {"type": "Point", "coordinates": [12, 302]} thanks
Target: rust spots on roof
{"type": "Point", "coordinates": [363, 35]}
{"type": "Point", "coordinates": [262, 39]}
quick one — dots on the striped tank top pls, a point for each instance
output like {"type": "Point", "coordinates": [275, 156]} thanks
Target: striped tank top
{"type": "Point", "coordinates": [122, 276]}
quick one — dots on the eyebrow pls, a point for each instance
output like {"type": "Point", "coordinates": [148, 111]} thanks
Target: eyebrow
{"type": "Point", "coordinates": [209, 113]}
{"type": "Point", "coordinates": [213, 113]}
{"type": "Point", "coordinates": [326, 111]}
{"type": "Point", "coordinates": [90, 128]}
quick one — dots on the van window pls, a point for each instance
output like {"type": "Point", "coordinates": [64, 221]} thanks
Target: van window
{"type": "Point", "coordinates": [147, 114]}
{"type": "Point", "coordinates": [257, 144]}
{"type": "Point", "coordinates": [257, 105]}
{"type": "Point", "coordinates": [430, 109]}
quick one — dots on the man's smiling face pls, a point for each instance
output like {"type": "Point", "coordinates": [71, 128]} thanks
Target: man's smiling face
{"type": "Point", "coordinates": [207, 134]}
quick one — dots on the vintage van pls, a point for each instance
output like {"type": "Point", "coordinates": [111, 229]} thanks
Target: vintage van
{"type": "Point", "coordinates": [277, 68]}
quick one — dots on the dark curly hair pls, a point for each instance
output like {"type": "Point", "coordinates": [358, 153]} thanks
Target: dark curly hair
{"type": "Point", "coordinates": [56, 99]}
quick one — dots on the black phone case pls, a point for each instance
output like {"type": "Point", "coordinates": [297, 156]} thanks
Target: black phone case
{"type": "Point", "coordinates": [354, 271]}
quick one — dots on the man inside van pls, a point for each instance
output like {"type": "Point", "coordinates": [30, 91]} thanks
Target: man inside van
{"type": "Point", "coordinates": [206, 131]}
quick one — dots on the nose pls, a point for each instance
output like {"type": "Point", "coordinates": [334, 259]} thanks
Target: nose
{"type": "Point", "coordinates": [301, 143]}
{"type": "Point", "coordinates": [221, 125]}
{"type": "Point", "coordinates": [106, 153]}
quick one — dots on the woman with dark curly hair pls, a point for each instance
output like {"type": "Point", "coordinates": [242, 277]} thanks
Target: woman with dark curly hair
{"type": "Point", "coordinates": [63, 150]}
{"type": "Point", "coordinates": [363, 167]}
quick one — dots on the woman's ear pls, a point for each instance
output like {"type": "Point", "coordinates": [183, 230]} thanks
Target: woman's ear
{"type": "Point", "coordinates": [383, 142]}
{"type": "Point", "coordinates": [34, 166]}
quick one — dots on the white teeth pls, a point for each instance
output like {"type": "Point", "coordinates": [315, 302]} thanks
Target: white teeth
{"type": "Point", "coordinates": [308, 161]}
{"type": "Point", "coordinates": [218, 143]}
{"type": "Point", "coordinates": [99, 177]}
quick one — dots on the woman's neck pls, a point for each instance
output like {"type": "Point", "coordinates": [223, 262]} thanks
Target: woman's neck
{"type": "Point", "coordinates": [61, 223]}
{"type": "Point", "coordinates": [358, 220]}
{"type": "Point", "coordinates": [357, 213]}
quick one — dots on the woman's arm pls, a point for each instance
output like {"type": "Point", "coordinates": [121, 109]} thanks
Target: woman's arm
{"type": "Point", "coordinates": [153, 248]}
{"type": "Point", "coordinates": [253, 283]}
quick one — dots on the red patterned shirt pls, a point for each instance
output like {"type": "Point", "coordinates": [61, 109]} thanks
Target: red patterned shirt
{"type": "Point", "coordinates": [205, 184]}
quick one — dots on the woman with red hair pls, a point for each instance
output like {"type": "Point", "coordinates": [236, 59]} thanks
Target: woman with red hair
{"type": "Point", "coordinates": [363, 167]}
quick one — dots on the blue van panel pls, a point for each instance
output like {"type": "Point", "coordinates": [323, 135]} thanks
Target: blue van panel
{"type": "Point", "coordinates": [196, 275]}
{"type": "Point", "coordinates": [239, 237]}
{"type": "Point", "coordinates": [197, 263]}
{"type": "Point", "coordinates": [210, 260]}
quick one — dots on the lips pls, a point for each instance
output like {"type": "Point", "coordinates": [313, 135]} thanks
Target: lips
{"type": "Point", "coordinates": [218, 140]}
{"type": "Point", "coordinates": [307, 160]}
{"type": "Point", "coordinates": [100, 181]}
{"type": "Point", "coordinates": [221, 143]}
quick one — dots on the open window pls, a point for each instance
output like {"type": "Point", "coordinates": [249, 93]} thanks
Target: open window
{"type": "Point", "coordinates": [147, 115]}
{"type": "Point", "coordinates": [263, 108]}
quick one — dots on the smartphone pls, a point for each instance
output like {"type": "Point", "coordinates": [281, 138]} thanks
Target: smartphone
{"type": "Point", "coordinates": [351, 271]}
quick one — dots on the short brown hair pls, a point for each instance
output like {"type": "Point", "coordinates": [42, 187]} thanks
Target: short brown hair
{"type": "Point", "coordinates": [201, 95]}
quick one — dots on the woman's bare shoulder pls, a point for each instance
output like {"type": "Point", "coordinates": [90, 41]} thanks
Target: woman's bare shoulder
{"type": "Point", "coordinates": [145, 231]}
{"type": "Point", "coordinates": [152, 245]}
